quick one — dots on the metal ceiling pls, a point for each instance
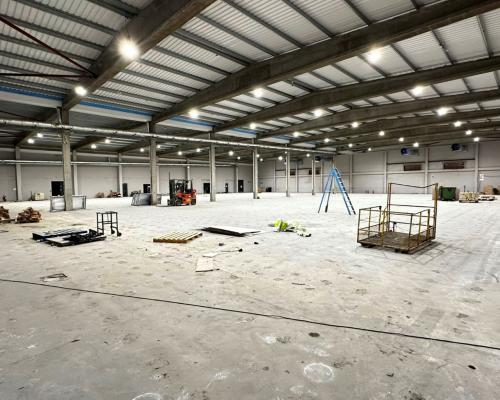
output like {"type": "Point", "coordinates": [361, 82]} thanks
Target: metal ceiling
{"type": "Point", "coordinates": [226, 37]}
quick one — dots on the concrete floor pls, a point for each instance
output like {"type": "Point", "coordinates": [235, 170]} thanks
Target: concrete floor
{"type": "Point", "coordinates": [70, 344]}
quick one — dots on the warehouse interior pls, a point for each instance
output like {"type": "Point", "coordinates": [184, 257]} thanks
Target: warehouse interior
{"type": "Point", "coordinates": [261, 199]}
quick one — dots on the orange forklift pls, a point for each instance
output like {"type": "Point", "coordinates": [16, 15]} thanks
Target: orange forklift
{"type": "Point", "coordinates": [181, 193]}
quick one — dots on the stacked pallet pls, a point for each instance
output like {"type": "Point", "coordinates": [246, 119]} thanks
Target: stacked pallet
{"type": "Point", "coordinates": [468, 197]}
{"type": "Point", "coordinates": [29, 216]}
{"type": "Point", "coordinates": [4, 215]}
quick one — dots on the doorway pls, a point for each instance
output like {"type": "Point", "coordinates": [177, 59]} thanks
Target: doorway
{"type": "Point", "coordinates": [206, 188]}
{"type": "Point", "coordinates": [146, 188]}
{"type": "Point", "coordinates": [124, 189]}
{"type": "Point", "coordinates": [226, 188]}
{"type": "Point", "coordinates": [57, 188]}
{"type": "Point", "coordinates": [241, 188]}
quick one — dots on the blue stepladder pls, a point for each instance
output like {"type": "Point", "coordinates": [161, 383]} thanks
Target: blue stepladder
{"type": "Point", "coordinates": [334, 177]}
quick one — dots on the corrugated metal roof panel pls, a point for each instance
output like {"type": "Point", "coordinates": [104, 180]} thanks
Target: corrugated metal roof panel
{"type": "Point", "coordinates": [483, 81]}
{"type": "Point", "coordinates": [463, 40]}
{"type": "Point", "coordinates": [334, 15]}
{"type": "Point", "coordinates": [288, 88]}
{"type": "Point", "coordinates": [221, 38]}
{"type": "Point", "coordinates": [390, 62]}
{"type": "Point", "coordinates": [313, 81]}
{"type": "Point", "coordinates": [359, 68]}
{"type": "Point", "coordinates": [382, 9]}
{"type": "Point", "coordinates": [147, 82]}
{"type": "Point", "coordinates": [491, 23]}
{"type": "Point", "coordinates": [451, 87]}
{"type": "Point", "coordinates": [247, 27]}
{"type": "Point", "coordinates": [423, 51]}
{"type": "Point", "coordinates": [279, 15]}
{"type": "Point", "coordinates": [151, 104]}
{"type": "Point", "coordinates": [491, 104]}
{"type": "Point", "coordinates": [128, 90]}
{"type": "Point", "coordinates": [192, 51]}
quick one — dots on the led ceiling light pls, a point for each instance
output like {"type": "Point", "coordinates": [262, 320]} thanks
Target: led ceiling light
{"type": "Point", "coordinates": [280, 158]}
{"type": "Point", "coordinates": [259, 92]}
{"type": "Point", "coordinates": [308, 155]}
{"type": "Point", "coordinates": [40, 135]}
{"type": "Point", "coordinates": [369, 149]}
{"type": "Point", "coordinates": [374, 56]}
{"type": "Point", "coordinates": [355, 124]}
{"type": "Point", "coordinates": [128, 49]}
{"type": "Point", "coordinates": [468, 132]}
{"type": "Point", "coordinates": [476, 139]}
{"type": "Point", "coordinates": [318, 112]}
{"type": "Point", "coordinates": [194, 113]}
{"type": "Point", "coordinates": [80, 90]}
{"type": "Point", "coordinates": [401, 139]}
{"type": "Point", "coordinates": [417, 90]}
{"type": "Point", "coordinates": [253, 125]}
{"type": "Point", "coordinates": [239, 158]}
{"type": "Point", "coordinates": [327, 140]}
{"type": "Point", "coordinates": [457, 124]}
{"type": "Point", "coordinates": [31, 141]}
{"type": "Point", "coordinates": [415, 144]}
{"type": "Point", "coordinates": [198, 150]}
{"type": "Point", "coordinates": [296, 134]}
{"type": "Point", "coordinates": [381, 133]}
{"type": "Point", "coordinates": [158, 146]}
{"type": "Point", "coordinates": [231, 152]}
{"type": "Point", "coordinates": [442, 111]}
{"type": "Point", "coordinates": [142, 150]}
{"type": "Point", "coordinates": [107, 141]}
{"type": "Point", "coordinates": [261, 160]}
{"type": "Point", "coordinates": [93, 146]}
{"type": "Point", "coordinates": [179, 153]}
{"type": "Point", "coordinates": [350, 145]}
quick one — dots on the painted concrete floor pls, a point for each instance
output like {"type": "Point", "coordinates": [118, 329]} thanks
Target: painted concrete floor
{"type": "Point", "coordinates": [57, 343]}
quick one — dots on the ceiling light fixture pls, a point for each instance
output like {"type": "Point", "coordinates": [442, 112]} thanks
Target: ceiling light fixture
{"type": "Point", "coordinates": [231, 152]}
{"type": "Point", "coordinates": [142, 150]}
{"type": "Point", "coordinates": [39, 134]}
{"type": "Point", "coordinates": [158, 146]}
{"type": "Point", "coordinates": [468, 132]}
{"type": "Point", "coordinates": [417, 90]}
{"type": "Point", "coordinates": [415, 144]}
{"type": "Point", "coordinates": [31, 141]}
{"type": "Point", "coordinates": [128, 49]}
{"type": "Point", "coordinates": [107, 141]}
{"type": "Point", "coordinates": [350, 145]}
{"type": "Point", "coordinates": [442, 111]}
{"type": "Point", "coordinates": [374, 55]}
{"type": "Point", "coordinates": [80, 90]}
{"type": "Point", "coordinates": [253, 125]}
{"type": "Point", "coordinates": [318, 112]}
{"type": "Point", "coordinates": [401, 139]}
{"type": "Point", "coordinates": [296, 134]}
{"type": "Point", "coordinates": [327, 140]}
{"type": "Point", "coordinates": [457, 124]}
{"type": "Point", "coordinates": [179, 153]}
{"type": "Point", "coordinates": [355, 124]}
{"type": "Point", "coordinates": [280, 158]}
{"type": "Point", "coordinates": [93, 146]}
{"type": "Point", "coordinates": [381, 133]}
{"type": "Point", "coordinates": [369, 149]}
{"type": "Point", "coordinates": [261, 160]}
{"type": "Point", "coordinates": [194, 113]}
{"type": "Point", "coordinates": [198, 150]}
{"type": "Point", "coordinates": [239, 158]}
{"type": "Point", "coordinates": [259, 92]}
{"type": "Point", "coordinates": [308, 155]}
{"type": "Point", "coordinates": [476, 139]}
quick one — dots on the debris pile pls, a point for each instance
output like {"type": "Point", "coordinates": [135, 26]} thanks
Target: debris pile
{"type": "Point", "coordinates": [281, 225]}
{"type": "Point", "coordinates": [4, 215]}
{"type": "Point", "coordinates": [29, 216]}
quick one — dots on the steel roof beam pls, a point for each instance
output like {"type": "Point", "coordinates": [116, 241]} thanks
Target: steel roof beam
{"type": "Point", "coordinates": [333, 50]}
{"type": "Point", "coordinates": [86, 142]}
{"type": "Point", "coordinates": [118, 7]}
{"type": "Point", "coordinates": [378, 87]}
{"type": "Point", "coordinates": [386, 110]}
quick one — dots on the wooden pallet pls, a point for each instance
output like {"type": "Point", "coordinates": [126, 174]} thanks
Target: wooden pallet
{"type": "Point", "coordinates": [177, 237]}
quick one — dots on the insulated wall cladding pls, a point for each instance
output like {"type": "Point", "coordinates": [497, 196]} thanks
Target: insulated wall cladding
{"type": "Point", "coordinates": [8, 182]}
{"type": "Point", "coordinates": [94, 179]}
{"type": "Point", "coordinates": [136, 177]}
{"type": "Point", "coordinates": [38, 178]}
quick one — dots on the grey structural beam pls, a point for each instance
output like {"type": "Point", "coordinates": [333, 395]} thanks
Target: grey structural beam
{"type": "Point", "coordinates": [153, 168]}
{"type": "Point", "coordinates": [213, 174]}
{"type": "Point", "coordinates": [287, 175]}
{"type": "Point", "coordinates": [19, 185]}
{"type": "Point", "coordinates": [400, 124]}
{"type": "Point", "coordinates": [364, 90]}
{"type": "Point", "coordinates": [333, 50]}
{"type": "Point", "coordinates": [386, 110]}
{"type": "Point", "coordinates": [416, 133]}
{"type": "Point", "coordinates": [255, 174]}
{"type": "Point", "coordinates": [153, 24]}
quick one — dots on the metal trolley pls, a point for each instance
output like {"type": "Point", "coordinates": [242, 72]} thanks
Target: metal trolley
{"type": "Point", "coordinates": [405, 228]}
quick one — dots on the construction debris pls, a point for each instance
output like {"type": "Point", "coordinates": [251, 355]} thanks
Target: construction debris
{"type": "Point", "coordinates": [54, 277]}
{"type": "Point", "coordinates": [468, 197]}
{"type": "Point", "coordinates": [177, 237]}
{"type": "Point", "coordinates": [284, 226]}
{"type": "Point", "coordinates": [205, 264]}
{"type": "Point", "coordinates": [487, 197]}
{"type": "Point", "coordinates": [76, 238]}
{"type": "Point", "coordinates": [113, 194]}
{"type": "Point", "coordinates": [230, 230]}
{"type": "Point", "coordinates": [42, 236]}
{"type": "Point", "coordinates": [5, 216]}
{"type": "Point", "coordinates": [28, 216]}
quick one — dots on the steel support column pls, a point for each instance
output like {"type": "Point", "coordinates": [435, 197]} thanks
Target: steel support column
{"type": "Point", "coordinates": [120, 174]}
{"type": "Point", "coordinates": [255, 176]}
{"type": "Point", "coordinates": [19, 186]}
{"type": "Point", "coordinates": [74, 157]}
{"type": "Point", "coordinates": [313, 176]}
{"type": "Point", "coordinates": [236, 187]}
{"type": "Point", "coordinates": [66, 159]}
{"type": "Point", "coordinates": [476, 167]}
{"type": "Point", "coordinates": [153, 170]}
{"type": "Point", "coordinates": [426, 169]}
{"type": "Point", "coordinates": [287, 175]}
{"type": "Point", "coordinates": [213, 176]}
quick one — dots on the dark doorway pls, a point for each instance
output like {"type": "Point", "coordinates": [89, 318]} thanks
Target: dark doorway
{"type": "Point", "coordinates": [146, 188]}
{"type": "Point", "coordinates": [226, 187]}
{"type": "Point", "coordinates": [206, 188]}
{"type": "Point", "coordinates": [241, 188]}
{"type": "Point", "coordinates": [124, 189]}
{"type": "Point", "coordinates": [57, 188]}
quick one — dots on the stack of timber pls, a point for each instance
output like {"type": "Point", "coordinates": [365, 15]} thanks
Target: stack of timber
{"type": "Point", "coordinates": [468, 197]}
{"type": "Point", "coordinates": [4, 216]}
{"type": "Point", "coordinates": [29, 216]}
